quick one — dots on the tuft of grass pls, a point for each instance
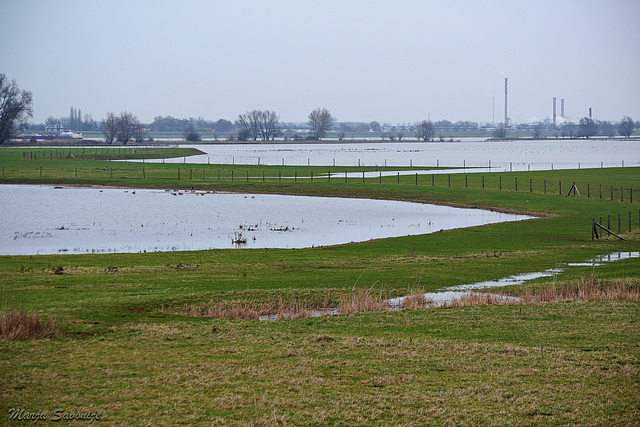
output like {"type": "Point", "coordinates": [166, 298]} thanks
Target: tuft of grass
{"type": "Point", "coordinates": [585, 289]}
{"type": "Point", "coordinates": [414, 300]}
{"type": "Point", "coordinates": [362, 300]}
{"type": "Point", "coordinates": [20, 325]}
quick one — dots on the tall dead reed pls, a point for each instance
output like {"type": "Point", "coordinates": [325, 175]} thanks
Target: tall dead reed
{"type": "Point", "coordinates": [416, 299]}
{"type": "Point", "coordinates": [479, 298]}
{"type": "Point", "coordinates": [19, 325]}
{"type": "Point", "coordinates": [585, 289]}
{"type": "Point", "coordinates": [279, 309]}
{"type": "Point", "coordinates": [362, 300]}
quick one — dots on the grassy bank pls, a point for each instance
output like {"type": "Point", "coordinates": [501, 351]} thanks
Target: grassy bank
{"type": "Point", "coordinates": [127, 346]}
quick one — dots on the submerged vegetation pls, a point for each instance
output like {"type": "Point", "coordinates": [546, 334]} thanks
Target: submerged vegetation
{"type": "Point", "coordinates": [166, 338]}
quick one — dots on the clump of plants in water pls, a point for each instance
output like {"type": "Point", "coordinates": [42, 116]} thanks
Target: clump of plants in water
{"type": "Point", "coordinates": [363, 300]}
{"type": "Point", "coordinates": [239, 238]}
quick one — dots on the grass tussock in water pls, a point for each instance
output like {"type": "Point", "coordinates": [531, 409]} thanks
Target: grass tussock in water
{"type": "Point", "coordinates": [415, 299]}
{"type": "Point", "coordinates": [20, 325]}
{"type": "Point", "coordinates": [585, 289]}
{"type": "Point", "coordinates": [364, 300]}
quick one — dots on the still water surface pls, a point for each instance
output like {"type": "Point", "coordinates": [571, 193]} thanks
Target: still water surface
{"type": "Point", "coordinates": [49, 220]}
{"type": "Point", "coordinates": [500, 155]}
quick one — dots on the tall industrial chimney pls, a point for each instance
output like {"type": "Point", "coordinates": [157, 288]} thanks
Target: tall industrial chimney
{"type": "Point", "coordinates": [554, 112]}
{"type": "Point", "coordinates": [505, 103]}
{"type": "Point", "coordinates": [562, 108]}
{"type": "Point", "coordinates": [590, 112]}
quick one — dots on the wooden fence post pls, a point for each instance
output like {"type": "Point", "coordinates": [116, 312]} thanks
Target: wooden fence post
{"type": "Point", "coordinates": [618, 223]}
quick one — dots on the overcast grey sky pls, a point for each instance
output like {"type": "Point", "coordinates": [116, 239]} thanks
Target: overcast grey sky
{"type": "Point", "coordinates": [391, 61]}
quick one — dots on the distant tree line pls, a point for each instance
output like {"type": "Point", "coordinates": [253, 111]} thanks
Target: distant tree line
{"type": "Point", "coordinates": [16, 108]}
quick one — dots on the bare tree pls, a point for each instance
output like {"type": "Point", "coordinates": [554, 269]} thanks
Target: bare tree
{"type": "Point", "coordinates": [109, 127]}
{"type": "Point", "coordinates": [400, 135]}
{"type": "Point", "coordinates": [190, 134]}
{"type": "Point", "coordinates": [340, 135]}
{"type": "Point", "coordinates": [425, 130]}
{"type": "Point", "coordinates": [127, 123]}
{"type": "Point", "coordinates": [15, 105]}
{"type": "Point", "coordinates": [260, 124]}
{"type": "Point", "coordinates": [626, 127]}
{"type": "Point", "coordinates": [139, 132]}
{"type": "Point", "coordinates": [250, 122]}
{"type": "Point", "coordinates": [269, 125]}
{"type": "Point", "coordinates": [500, 131]}
{"type": "Point", "coordinates": [587, 127]}
{"type": "Point", "coordinates": [537, 131]}
{"type": "Point", "coordinates": [320, 122]}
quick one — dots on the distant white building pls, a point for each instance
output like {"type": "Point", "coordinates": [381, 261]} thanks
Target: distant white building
{"type": "Point", "coordinates": [57, 127]}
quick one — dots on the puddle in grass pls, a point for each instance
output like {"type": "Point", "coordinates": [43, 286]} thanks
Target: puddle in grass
{"type": "Point", "coordinates": [449, 295]}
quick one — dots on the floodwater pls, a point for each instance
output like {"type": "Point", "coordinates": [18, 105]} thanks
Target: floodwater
{"type": "Point", "coordinates": [50, 220]}
{"type": "Point", "coordinates": [499, 155]}
{"type": "Point", "coordinates": [447, 296]}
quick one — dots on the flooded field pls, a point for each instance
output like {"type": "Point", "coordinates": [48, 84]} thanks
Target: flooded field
{"type": "Point", "coordinates": [49, 220]}
{"type": "Point", "coordinates": [453, 294]}
{"type": "Point", "coordinates": [499, 155]}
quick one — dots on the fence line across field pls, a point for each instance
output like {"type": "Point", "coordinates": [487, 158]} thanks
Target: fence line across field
{"type": "Point", "coordinates": [544, 186]}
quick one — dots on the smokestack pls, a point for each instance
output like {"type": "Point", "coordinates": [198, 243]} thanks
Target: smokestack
{"type": "Point", "coordinates": [505, 103]}
{"type": "Point", "coordinates": [562, 108]}
{"type": "Point", "coordinates": [554, 112]}
{"type": "Point", "coordinates": [590, 112]}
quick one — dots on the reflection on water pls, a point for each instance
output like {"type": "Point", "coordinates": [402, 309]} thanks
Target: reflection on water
{"type": "Point", "coordinates": [48, 220]}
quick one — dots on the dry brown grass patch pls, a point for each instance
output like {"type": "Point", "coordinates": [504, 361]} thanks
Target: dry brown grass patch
{"type": "Point", "coordinates": [362, 300]}
{"type": "Point", "coordinates": [19, 325]}
{"type": "Point", "coordinates": [415, 300]}
{"type": "Point", "coordinates": [249, 311]}
{"type": "Point", "coordinates": [585, 289]}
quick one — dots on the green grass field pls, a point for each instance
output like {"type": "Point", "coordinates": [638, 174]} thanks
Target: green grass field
{"type": "Point", "coordinates": [122, 348]}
